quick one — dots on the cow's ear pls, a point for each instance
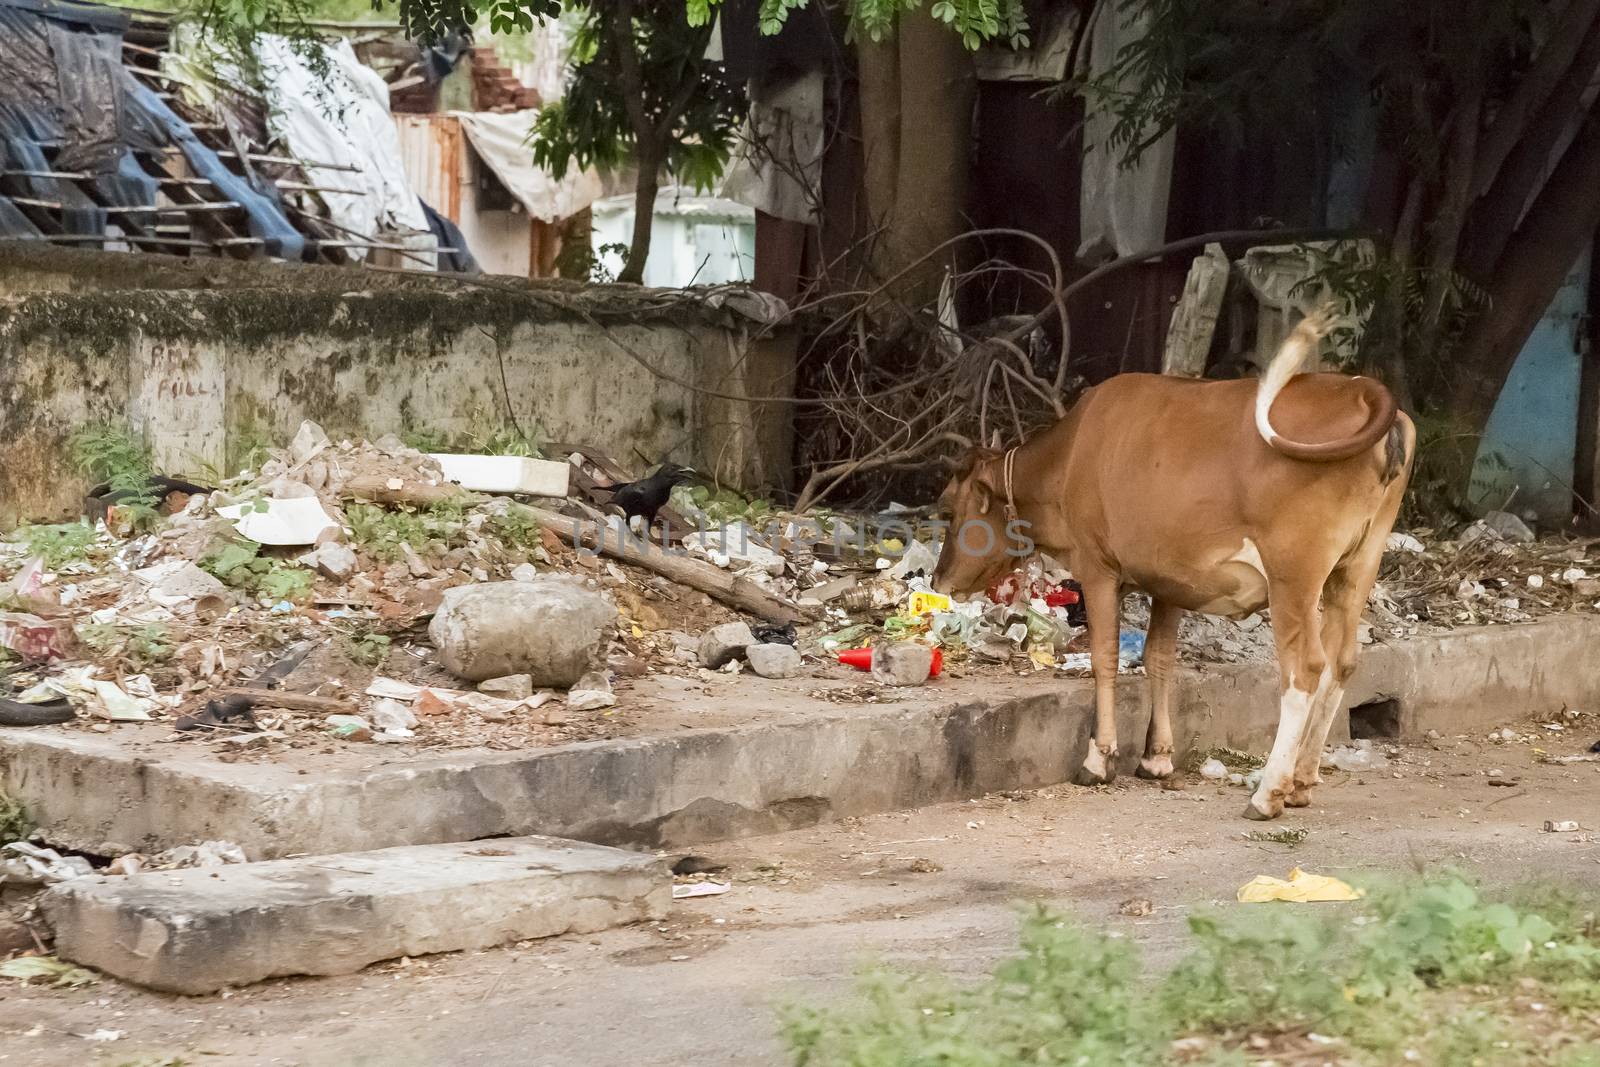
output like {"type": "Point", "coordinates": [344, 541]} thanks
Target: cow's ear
{"type": "Point", "coordinates": [982, 495]}
{"type": "Point", "coordinates": [994, 441]}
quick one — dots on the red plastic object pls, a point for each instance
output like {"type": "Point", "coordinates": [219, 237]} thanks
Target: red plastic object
{"type": "Point", "coordinates": [861, 660]}
{"type": "Point", "coordinates": [1060, 598]}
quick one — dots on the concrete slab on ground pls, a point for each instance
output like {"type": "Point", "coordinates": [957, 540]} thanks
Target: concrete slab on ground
{"type": "Point", "coordinates": [813, 762]}
{"type": "Point", "coordinates": [200, 930]}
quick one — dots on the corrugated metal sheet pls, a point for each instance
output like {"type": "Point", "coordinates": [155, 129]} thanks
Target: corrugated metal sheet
{"type": "Point", "coordinates": [430, 148]}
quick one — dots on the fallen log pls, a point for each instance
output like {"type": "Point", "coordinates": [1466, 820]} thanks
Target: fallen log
{"type": "Point", "coordinates": [731, 589]}
{"type": "Point", "coordinates": [380, 490]}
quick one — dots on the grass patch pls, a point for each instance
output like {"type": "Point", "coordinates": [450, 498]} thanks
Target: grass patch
{"type": "Point", "coordinates": [1433, 971]}
{"type": "Point", "coordinates": [515, 527]}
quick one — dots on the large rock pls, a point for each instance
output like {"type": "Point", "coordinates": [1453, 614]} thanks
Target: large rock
{"type": "Point", "coordinates": [553, 630]}
{"type": "Point", "coordinates": [720, 644]}
{"type": "Point", "coordinates": [198, 931]}
{"type": "Point", "coordinates": [902, 663]}
{"type": "Point", "coordinates": [774, 660]}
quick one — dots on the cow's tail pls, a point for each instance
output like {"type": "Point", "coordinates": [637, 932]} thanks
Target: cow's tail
{"type": "Point", "coordinates": [1285, 365]}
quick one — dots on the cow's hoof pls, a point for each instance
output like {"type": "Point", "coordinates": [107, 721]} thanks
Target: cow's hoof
{"type": "Point", "coordinates": [1155, 767]}
{"type": "Point", "coordinates": [1096, 769]}
{"type": "Point", "coordinates": [1258, 815]}
{"type": "Point", "coordinates": [1299, 798]}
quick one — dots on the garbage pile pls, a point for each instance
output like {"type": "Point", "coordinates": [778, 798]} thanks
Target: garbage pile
{"type": "Point", "coordinates": [367, 592]}
{"type": "Point", "coordinates": [1493, 571]}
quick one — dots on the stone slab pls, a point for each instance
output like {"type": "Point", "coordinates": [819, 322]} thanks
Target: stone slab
{"type": "Point", "coordinates": [200, 930]}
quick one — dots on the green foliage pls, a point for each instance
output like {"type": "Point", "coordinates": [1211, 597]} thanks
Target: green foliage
{"type": "Point", "coordinates": [382, 531]}
{"type": "Point", "coordinates": [364, 646]}
{"type": "Point", "coordinates": [140, 646]}
{"type": "Point", "coordinates": [58, 545]}
{"type": "Point", "coordinates": [722, 505]}
{"type": "Point", "coordinates": [1389, 975]}
{"type": "Point", "coordinates": [1358, 281]}
{"type": "Point", "coordinates": [1284, 67]}
{"type": "Point", "coordinates": [690, 110]}
{"type": "Point", "coordinates": [14, 822]}
{"type": "Point", "coordinates": [486, 436]}
{"type": "Point", "coordinates": [1070, 997]}
{"type": "Point", "coordinates": [110, 453]}
{"type": "Point", "coordinates": [241, 565]}
{"type": "Point", "coordinates": [515, 527]}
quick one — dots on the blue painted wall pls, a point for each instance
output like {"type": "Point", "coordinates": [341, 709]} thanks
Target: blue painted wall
{"type": "Point", "coordinates": [1530, 443]}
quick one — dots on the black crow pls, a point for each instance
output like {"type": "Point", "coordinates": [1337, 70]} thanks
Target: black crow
{"type": "Point", "coordinates": [647, 496]}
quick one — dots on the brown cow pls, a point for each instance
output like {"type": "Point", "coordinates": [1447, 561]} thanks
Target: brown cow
{"type": "Point", "coordinates": [1217, 496]}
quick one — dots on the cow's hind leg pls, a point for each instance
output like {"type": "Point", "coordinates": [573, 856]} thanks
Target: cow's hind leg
{"type": "Point", "coordinates": [1344, 596]}
{"type": "Point", "coordinates": [1306, 679]}
{"type": "Point", "coordinates": [1160, 653]}
{"type": "Point", "coordinates": [1102, 594]}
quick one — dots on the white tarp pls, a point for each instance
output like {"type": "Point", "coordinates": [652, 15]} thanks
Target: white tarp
{"type": "Point", "coordinates": [1123, 209]}
{"type": "Point", "coordinates": [501, 140]}
{"type": "Point", "coordinates": [342, 120]}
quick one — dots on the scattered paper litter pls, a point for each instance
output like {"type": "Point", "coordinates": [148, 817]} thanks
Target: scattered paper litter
{"type": "Point", "coordinates": [1301, 888]}
{"type": "Point", "coordinates": [700, 889]}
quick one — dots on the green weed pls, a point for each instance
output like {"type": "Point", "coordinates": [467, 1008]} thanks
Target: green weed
{"type": "Point", "coordinates": [515, 527]}
{"type": "Point", "coordinates": [1422, 969]}
{"type": "Point", "coordinates": [113, 454]}
{"type": "Point", "coordinates": [58, 545]}
{"type": "Point", "coordinates": [365, 647]}
{"type": "Point", "coordinates": [382, 531]}
{"type": "Point", "coordinates": [141, 647]}
{"type": "Point", "coordinates": [242, 566]}
{"type": "Point", "coordinates": [14, 822]}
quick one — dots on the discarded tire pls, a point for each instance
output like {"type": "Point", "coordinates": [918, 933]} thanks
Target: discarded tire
{"type": "Point", "coordinates": [552, 629]}
{"type": "Point", "coordinates": [16, 713]}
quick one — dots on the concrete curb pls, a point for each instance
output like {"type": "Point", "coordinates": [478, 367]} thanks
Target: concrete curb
{"type": "Point", "coordinates": [705, 785]}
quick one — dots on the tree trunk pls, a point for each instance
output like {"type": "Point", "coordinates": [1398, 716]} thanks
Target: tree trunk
{"type": "Point", "coordinates": [644, 214]}
{"type": "Point", "coordinates": [1527, 163]}
{"type": "Point", "coordinates": [1560, 223]}
{"type": "Point", "coordinates": [917, 93]}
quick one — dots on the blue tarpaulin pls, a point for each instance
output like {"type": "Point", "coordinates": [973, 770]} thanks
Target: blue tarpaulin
{"type": "Point", "coordinates": [67, 91]}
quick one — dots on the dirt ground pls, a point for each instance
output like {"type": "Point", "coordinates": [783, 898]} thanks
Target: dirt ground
{"type": "Point", "coordinates": [936, 887]}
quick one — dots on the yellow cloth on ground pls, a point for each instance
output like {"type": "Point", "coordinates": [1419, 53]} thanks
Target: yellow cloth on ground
{"type": "Point", "coordinates": [1301, 888]}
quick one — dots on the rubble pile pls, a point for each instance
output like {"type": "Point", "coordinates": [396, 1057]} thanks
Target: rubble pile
{"type": "Point", "coordinates": [350, 593]}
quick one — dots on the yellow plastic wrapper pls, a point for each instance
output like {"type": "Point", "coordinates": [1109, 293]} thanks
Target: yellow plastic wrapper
{"type": "Point", "coordinates": [1301, 888]}
{"type": "Point", "coordinates": [927, 603]}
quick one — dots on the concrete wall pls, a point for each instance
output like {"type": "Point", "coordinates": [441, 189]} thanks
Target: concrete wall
{"type": "Point", "coordinates": [206, 374]}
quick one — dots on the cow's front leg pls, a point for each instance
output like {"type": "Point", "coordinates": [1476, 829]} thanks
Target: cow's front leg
{"type": "Point", "coordinates": [1160, 655]}
{"type": "Point", "coordinates": [1102, 596]}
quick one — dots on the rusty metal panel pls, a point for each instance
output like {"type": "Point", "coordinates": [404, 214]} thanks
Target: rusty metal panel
{"type": "Point", "coordinates": [430, 149]}
{"type": "Point", "coordinates": [1120, 324]}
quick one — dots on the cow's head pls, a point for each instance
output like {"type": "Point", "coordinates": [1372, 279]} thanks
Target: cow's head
{"type": "Point", "coordinates": [976, 543]}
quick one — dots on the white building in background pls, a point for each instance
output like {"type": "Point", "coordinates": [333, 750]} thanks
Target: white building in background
{"type": "Point", "coordinates": [696, 240]}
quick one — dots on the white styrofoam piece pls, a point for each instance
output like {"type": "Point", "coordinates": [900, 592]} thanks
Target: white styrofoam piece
{"type": "Point", "coordinates": [506, 474]}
